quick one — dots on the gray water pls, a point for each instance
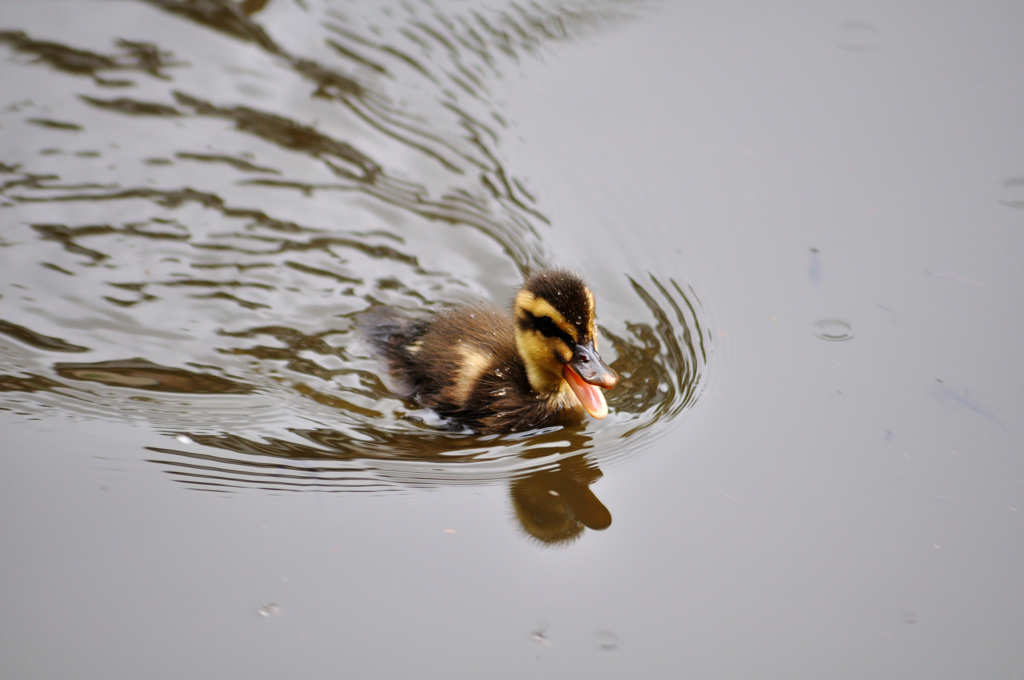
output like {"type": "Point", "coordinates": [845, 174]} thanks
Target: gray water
{"type": "Point", "coordinates": [803, 229]}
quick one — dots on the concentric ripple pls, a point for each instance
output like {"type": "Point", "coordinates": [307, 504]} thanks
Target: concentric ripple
{"type": "Point", "coordinates": [191, 242]}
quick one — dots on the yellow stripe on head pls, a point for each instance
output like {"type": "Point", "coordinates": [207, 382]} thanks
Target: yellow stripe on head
{"type": "Point", "coordinates": [591, 325]}
{"type": "Point", "coordinates": [529, 304]}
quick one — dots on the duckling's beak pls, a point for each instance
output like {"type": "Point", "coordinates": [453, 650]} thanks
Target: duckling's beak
{"type": "Point", "coordinates": [586, 374]}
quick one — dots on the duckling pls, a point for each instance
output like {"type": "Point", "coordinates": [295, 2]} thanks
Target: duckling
{"type": "Point", "coordinates": [498, 374]}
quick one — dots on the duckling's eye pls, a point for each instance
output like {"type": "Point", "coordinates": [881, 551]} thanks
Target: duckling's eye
{"type": "Point", "coordinates": [548, 328]}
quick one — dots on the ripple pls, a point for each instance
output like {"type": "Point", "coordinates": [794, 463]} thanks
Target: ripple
{"type": "Point", "coordinates": [374, 441]}
{"type": "Point", "coordinates": [38, 340]}
{"type": "Point", "coordinates": [208, 255]}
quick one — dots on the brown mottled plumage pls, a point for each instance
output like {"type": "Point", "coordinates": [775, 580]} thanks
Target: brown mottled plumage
{"type": "Point", "coordinates": [497, 374]}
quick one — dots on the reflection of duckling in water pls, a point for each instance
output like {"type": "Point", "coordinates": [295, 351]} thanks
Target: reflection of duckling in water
{"type": "Point", "coordinates": [555, 506]}
{"type": "Point", "coordinates": [497, 374]}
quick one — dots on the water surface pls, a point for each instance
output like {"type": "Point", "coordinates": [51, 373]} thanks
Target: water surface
{"type": "Point", "coordinates": [802, 229]}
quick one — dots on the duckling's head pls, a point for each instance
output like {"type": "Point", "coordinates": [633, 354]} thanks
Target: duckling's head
{"type": "Point", "coordinates": [556, 336]}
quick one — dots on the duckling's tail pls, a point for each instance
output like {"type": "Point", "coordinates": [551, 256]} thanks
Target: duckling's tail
{"type": "Point", "coordinates": [390, 334]}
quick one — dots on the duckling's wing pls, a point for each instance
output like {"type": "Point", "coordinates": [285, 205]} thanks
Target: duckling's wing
{"type": "Point", "coordinates": [456, 350]}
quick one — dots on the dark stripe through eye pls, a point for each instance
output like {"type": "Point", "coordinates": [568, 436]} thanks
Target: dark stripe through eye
{"type": "Point", "coordinates": [547, 328]}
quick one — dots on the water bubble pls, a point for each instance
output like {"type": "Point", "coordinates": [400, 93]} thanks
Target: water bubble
{"type": "Point", "coordinates": [607, 640]}
{"type": "Point", "coordinates": [540, 636]}
{"type": "Point", "coordinates": [1014, 192]}
{"type": "Point", "coordinates": [858, 36]}
{"type": "Point", "coordinates": [814, 266]}
{"type": "Point", "coordinates": [269, 609]}
{"type": "Point", "coordinates": [184, 439]}
{"type": "Point", "coordinates": [833, 330]}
